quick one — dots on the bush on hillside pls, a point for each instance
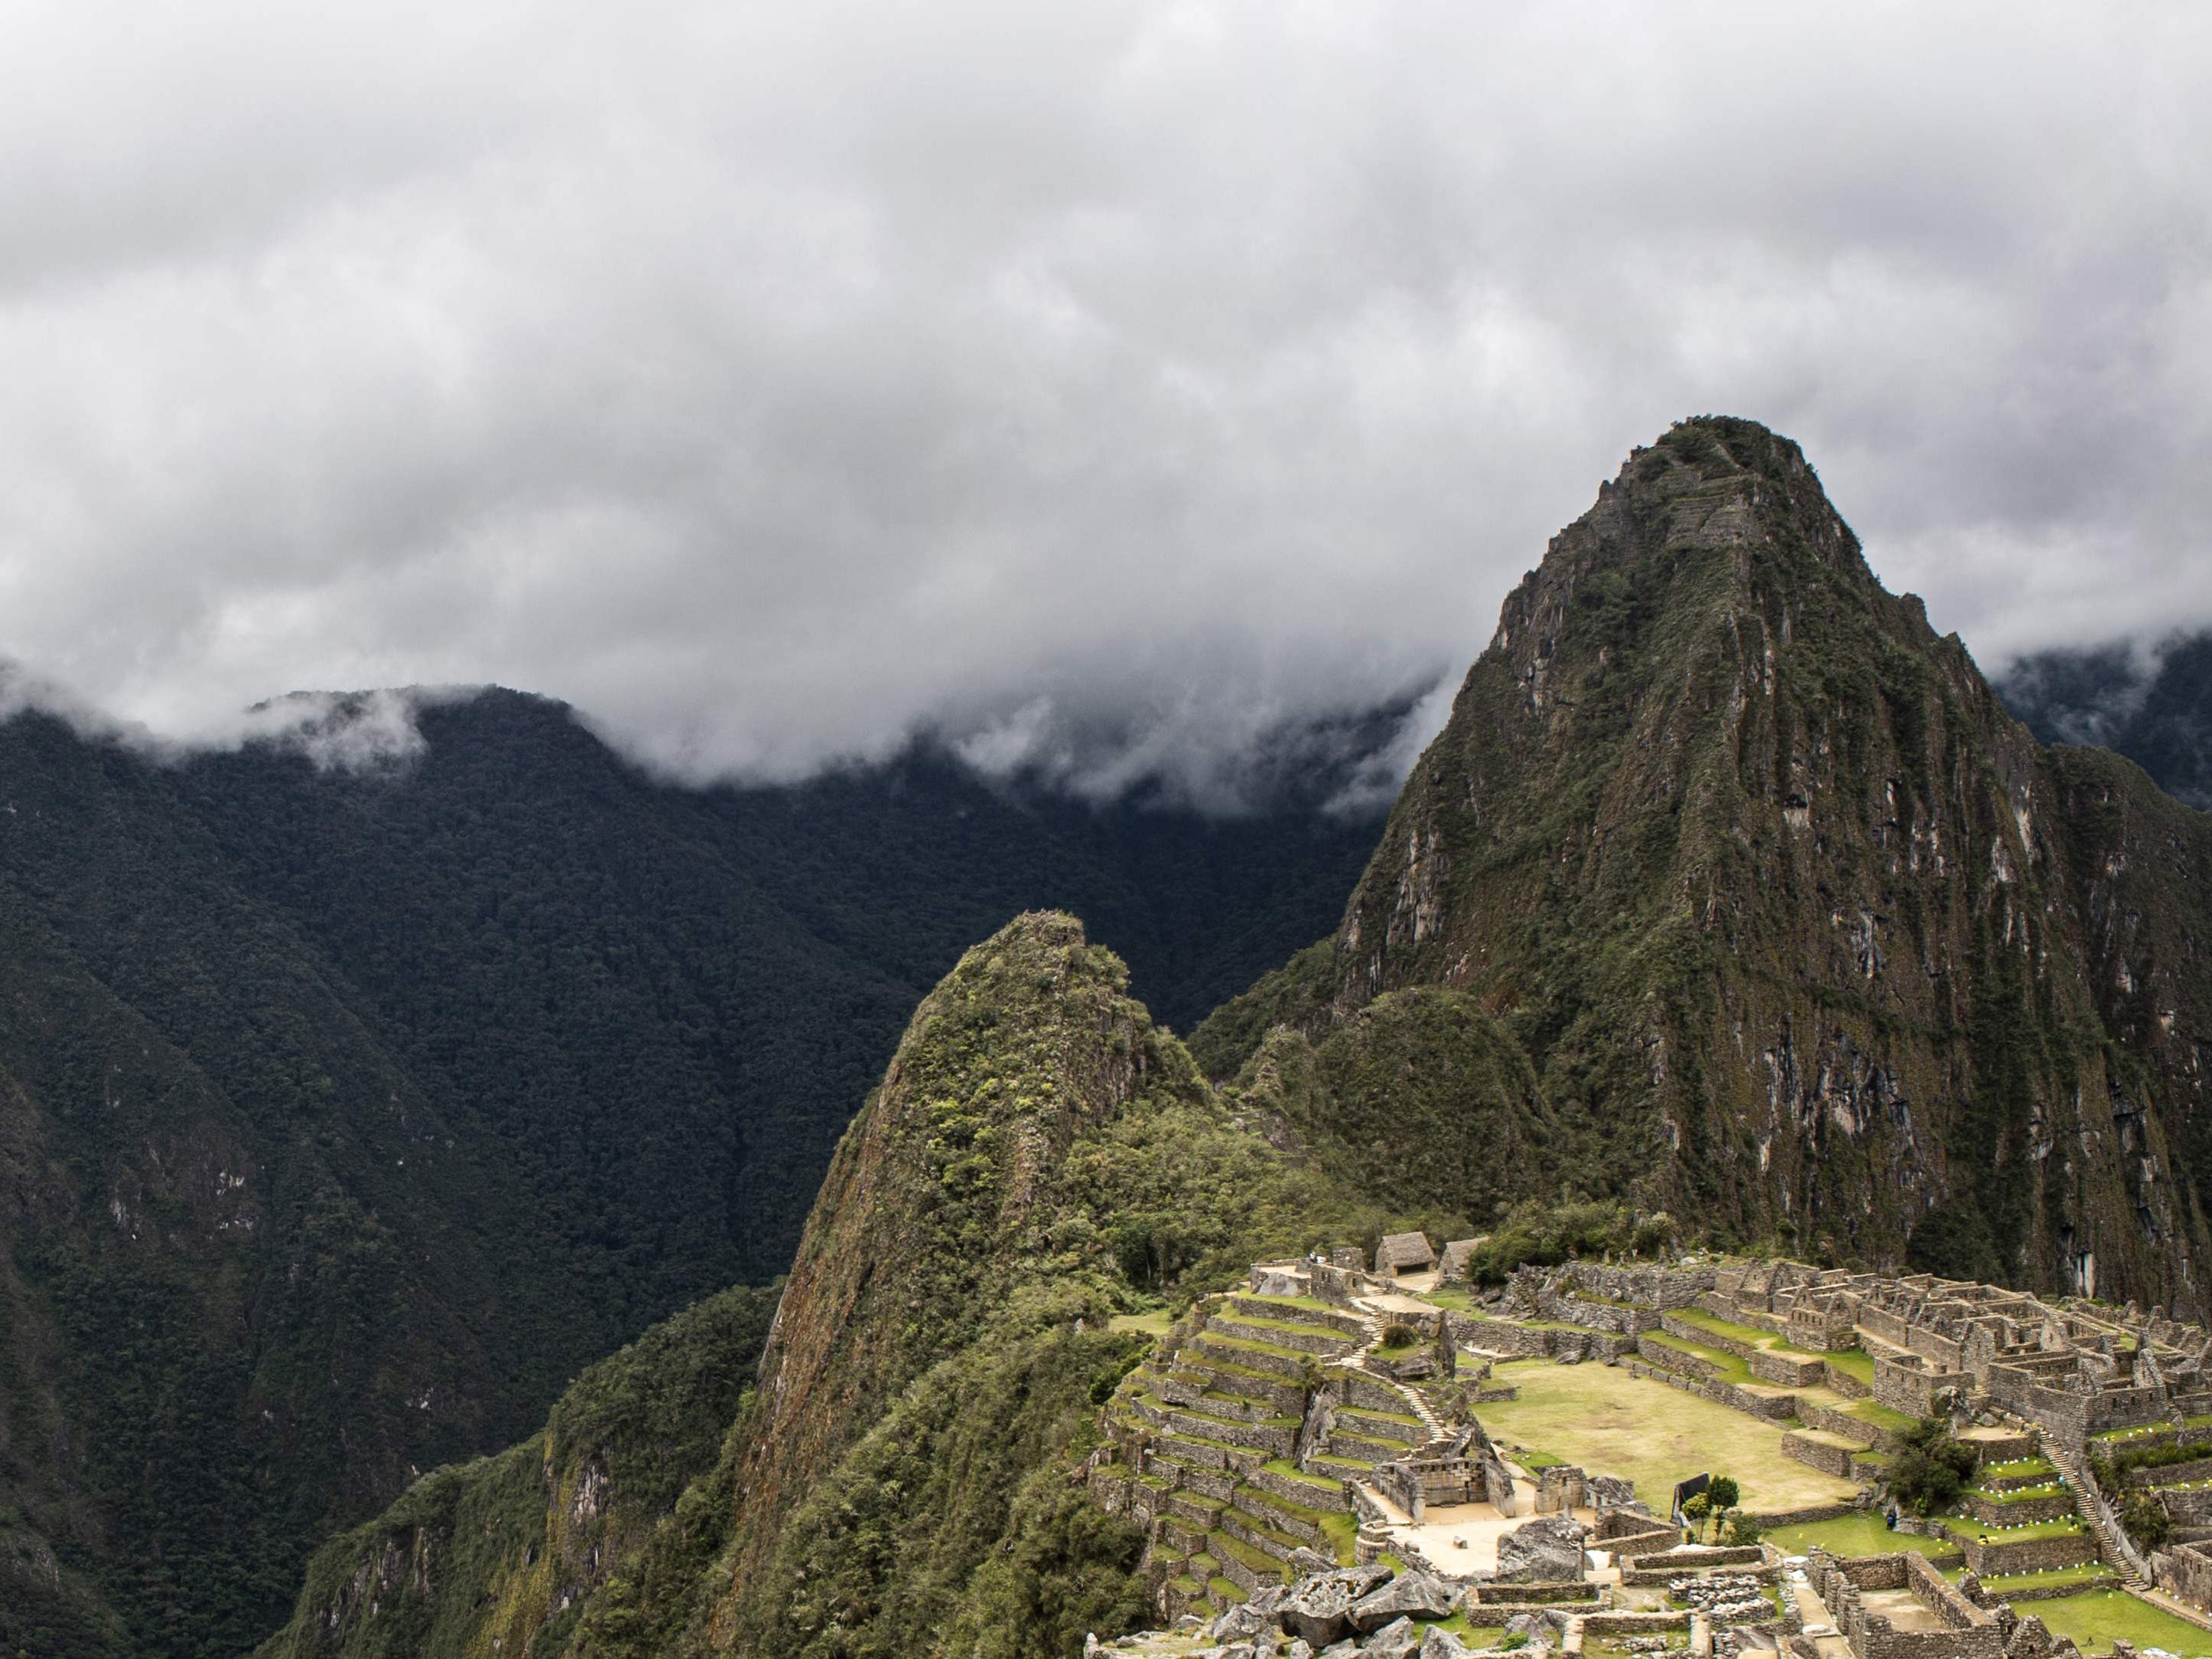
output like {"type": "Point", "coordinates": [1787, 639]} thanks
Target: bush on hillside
{"type": "Point", "coordinates": [1544, 1236]}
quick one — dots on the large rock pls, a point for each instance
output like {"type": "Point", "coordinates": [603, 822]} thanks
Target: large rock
{"type": "Point", "coordinates": [1241, 1623]}
{"type": "Point", "coordinates": [1610, 1492]}
{"type": "Point", "coordinates": [1413, 1594]}
{"type": "Point", "coordinates": [1442, 1645]}
{"type": "Point", "coordinates": [1317, 1613]}
{"type": "Point", "coordinates": [1398, 1639]}
{"type": "Point", "coordinates": [1307, 1562]}
{"type": "Point", "coordinates": [1362, 1581]}
{"type": "Point", "coordinates": [1545, 1551]}
{"type": "Point", "coordinates": [1344, 1650]}
{"type": "Point", "coordinates": [1297, 1649]}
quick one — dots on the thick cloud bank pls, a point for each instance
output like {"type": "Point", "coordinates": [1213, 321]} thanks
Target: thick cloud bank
{"type": "Point", "coordinates": [771, 381]}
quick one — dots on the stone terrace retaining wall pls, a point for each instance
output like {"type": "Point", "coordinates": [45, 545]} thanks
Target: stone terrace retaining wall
{"type": "Point", "coordinates": [1788, 1370]}
{"type": "Point", "coordinates": [1991, 1512]}
{"type": "Point", "coordinates": [1499, 1336]}
{"type": "Point", "coordinates": [1653, 1287]}
{"type": "Point", "coordinates": [2029, 1555]}
{"type": "Point", "coordinates": [1780, 1408]}
{"type": "Point", "coordinates": [2171, 1474]}
{"type": "Point", "coordinates": [1842, 1425]}
{"type": "Point", "coordinates": [2187, 1509]}
{"type": "Point", "coordinates": [1829, 1460]}
{"type": "Point", "coordinates": [1843, 1381]}
{"type": "Point", "coordinates": [1675, 1325]}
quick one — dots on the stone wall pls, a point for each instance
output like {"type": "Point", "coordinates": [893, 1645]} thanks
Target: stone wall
{"type": "Point", "coordinates": [1819, 1453]}
{"type": "Point", "coordinates": [2175, 1473]}
{"type": "Point", "coordinates": [1903, 1388]}
{"type": "Point", "coordinates": [1993, 1512]}
{"type": "Point", "coordinates": [2187, 1509]}
{"type": "Point", "coordinates": [1968, 1632]}
{"type": "Point", "coordinates": [1499, 1336]}
{"type": "Point", "coordinates": [1788, 1370]}
{"type": "Point", "coordinates": [2001, 1555]}
{"type": "Point", "coordinates": [1653, 1287]}
{"type": "Point", "coordinates": [1777, 1409]}
{"type": "Point", "coordinates": [2185, 1570]}
{"type": "Point", "coordinates": [1842, 1425]}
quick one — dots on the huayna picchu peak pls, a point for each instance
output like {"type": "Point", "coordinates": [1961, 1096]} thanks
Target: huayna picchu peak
{"type": "Point", "coordinates": [1799, 931]}
{"type": "Point", "coordinates": [1748, 1051]}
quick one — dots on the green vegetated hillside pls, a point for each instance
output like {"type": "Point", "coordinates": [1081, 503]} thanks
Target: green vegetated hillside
{"type": "Point", "coordinates": [1730, 887]}
{"type": "Point", "coordinates": [1740, 891]}
{"type": "Point", "coordinates": [1039, 1154]}
{"type": "Point", "coordinates": [343, 1118]}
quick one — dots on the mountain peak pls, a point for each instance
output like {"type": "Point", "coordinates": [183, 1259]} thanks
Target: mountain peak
{"type": "Point", "coordinates": [1798, 928]}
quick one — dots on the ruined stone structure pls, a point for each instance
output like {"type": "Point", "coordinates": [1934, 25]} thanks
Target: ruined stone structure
{"type": "Point", "coordinates": [2072, 1368]}
{"type": "Point", "coordinates": [1897, 1607]}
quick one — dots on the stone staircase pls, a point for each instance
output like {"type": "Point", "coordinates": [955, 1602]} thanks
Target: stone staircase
{"type": "Point", "coordinates": [2097, 1515]}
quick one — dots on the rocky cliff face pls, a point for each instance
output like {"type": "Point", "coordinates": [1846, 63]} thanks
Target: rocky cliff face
{"type": "Point", "coordinates": [1801, 930]}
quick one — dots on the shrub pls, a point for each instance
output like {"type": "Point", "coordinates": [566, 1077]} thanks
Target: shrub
{"type": "Point", "coordinates": [1930, 1469]}
{"type": "Point", "coordinates": [1396, 1336]}
{"type": "Point", "coordinates": [1743, 1529]}
{"type": "Point", "coordinates": [1723, 1492]}
{"type": "Point", "coordinates": [1698, 1506]}
{"type": "Point", "coordinates": [2145, 1521]}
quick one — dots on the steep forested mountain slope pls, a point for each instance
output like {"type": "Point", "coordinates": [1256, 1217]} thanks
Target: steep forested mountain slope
{"type": "Point", "coordinates": [344, 1117]}
{"type": "Point", "coordinates": [1729, 885]}
{"type": "Point", "coordinates": [1798, 932]}
{"type": "Point", "coordinates": [2158, 714]}
{"type": "Point", "coordinates": [897, 1484]}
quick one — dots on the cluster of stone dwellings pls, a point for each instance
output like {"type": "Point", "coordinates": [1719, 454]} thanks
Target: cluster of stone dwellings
{"type": "Point", "coordinates": [2073, 1369]}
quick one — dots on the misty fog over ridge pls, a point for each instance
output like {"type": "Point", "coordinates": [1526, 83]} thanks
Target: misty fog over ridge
{"type": "Point", "coordinates": [774, 385]}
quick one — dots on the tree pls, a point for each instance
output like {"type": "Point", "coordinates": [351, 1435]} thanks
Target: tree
{"type": "Point", "coordinates": [1723, 1492]}
{"type": "Point", "coordinates": [1930, 1469]}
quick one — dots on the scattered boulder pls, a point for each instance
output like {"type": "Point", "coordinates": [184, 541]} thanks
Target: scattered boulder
{"type": "Point", "coordinates": [1533, 1628]}
{"type": "Point", "coordinates": [1297, 1649]}
{"type": "Point", "coordinates": [1398, 1639]}
{"type": "Point", "coordinates": [1345, 1649]}
{"type": "Point", "coordinates": [1362, 1581]}
{"type": "Point", "coordinates": [1413, 1594]}
{"type": "Point", "coordinates": [1241, 1623]}
{"type": "Point", "coordinates": [1442, 1645]}
{"type": "Point", "coordinates": [1317, 1612]}
{"type": "Point", "coordinates": [1545, 1551]}
{"type": "Point", "coordinates": [1306, 1562]}
{"type": "Point", "coordinates": [1268, 1598]}
{"type": "Point", "coordinates": [1610, 1492]}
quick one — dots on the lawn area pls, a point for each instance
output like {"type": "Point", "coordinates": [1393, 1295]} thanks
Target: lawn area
{"type": "Point", "coordinates": [1155, 1323]}
{"type": "Point", "coordinates": [1863, 1534]}
{"type": "Point", "coordinates": [1852, 1362]}
{"type": "Point", "coordinates": [1611, 1423]}
{"type": "Point", "coordinates": [2092, 1620]}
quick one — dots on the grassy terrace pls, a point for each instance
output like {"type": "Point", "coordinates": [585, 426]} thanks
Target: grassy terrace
{"type": "Point", "coordinates": [2021, 1465]}
{"type": "Point", "coordinates": [2021, 1495]}
{"type": "Point", "coordinates": [1852, 1362]}
{"type": "Point", "coordinates": [1302, 1303]}
{"type": "Point", "coordinates": [1967, 1526]}
{"type": "Point", "coordinates": [2092, 1620]}
{"type": "Point", "coordinates": [2014, 1584]}
{"type": "Point", "coordinates": [1731, 1369]}
{"type": "Point", "coordinates": [1289, 1327]}
{"type": "Point", "coordinates": [1863, 1534]}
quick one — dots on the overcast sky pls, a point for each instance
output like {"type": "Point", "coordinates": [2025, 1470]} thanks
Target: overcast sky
{"type": "Point", "coordinates": [771, 379]}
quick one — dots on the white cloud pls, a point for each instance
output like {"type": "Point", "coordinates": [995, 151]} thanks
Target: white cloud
{"type": "Point", "coordinates": [771, 381]}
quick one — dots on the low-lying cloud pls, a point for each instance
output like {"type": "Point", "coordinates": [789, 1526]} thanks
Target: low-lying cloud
{"type": "Point", "coordinates": [773, 383]}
